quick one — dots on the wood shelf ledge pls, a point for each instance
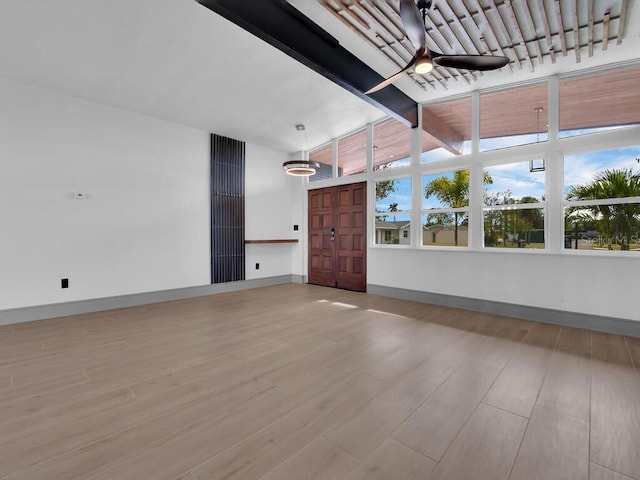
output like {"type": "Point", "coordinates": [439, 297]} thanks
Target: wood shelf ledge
{"type": "Point", "coordinates": [280, 240]}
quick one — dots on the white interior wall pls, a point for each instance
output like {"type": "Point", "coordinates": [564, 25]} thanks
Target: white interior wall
{"type": "Point", "coordinates": [272, 209]}
{"type": "Point", "coordinates": [144, 226]}
{"type": "Point", "coordinates": [595, 285]}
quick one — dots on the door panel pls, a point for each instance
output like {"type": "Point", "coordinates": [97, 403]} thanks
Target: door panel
{"type": "Point", "coordinates": [351, 232]}
{"type": "Point", "coordinates": [321, 263]}
{"type": "Point", "coordinates": [338, 258]}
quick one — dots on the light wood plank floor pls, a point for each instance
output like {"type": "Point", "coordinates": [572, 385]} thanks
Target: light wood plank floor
{"type": "Point", "coordinates": [301, 382]}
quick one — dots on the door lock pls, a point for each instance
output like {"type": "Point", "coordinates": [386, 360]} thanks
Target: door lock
{"type": "Point", "coordinates": [333, 234]}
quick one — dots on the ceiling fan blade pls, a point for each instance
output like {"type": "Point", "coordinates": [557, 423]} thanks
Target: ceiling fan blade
{"type": "Point", "coordinates": [412, 22]}
{"type": "Point", "coordinates": [391, 79]}
{"type": "Point", "coordinates": [470, 62]}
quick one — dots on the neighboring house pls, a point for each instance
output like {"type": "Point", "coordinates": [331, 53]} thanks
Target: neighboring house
{"type": "Point", "coordinates": [444, 235]}
{"type": "Point", "coordinates": [393, 232]}
{"type": "Point", "coordinates": [398, 233]}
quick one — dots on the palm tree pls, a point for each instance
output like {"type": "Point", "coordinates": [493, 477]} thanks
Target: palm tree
{"type": "Point", "coordinates": [393, 207]}
{"type": "Point", "coordinates": [454, 193]}
{"type": "Point", "coordinates": [615, 219]}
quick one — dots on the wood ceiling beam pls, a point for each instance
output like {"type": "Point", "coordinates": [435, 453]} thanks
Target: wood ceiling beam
{"type": "Point", "coordinates": [399, 44]}
{"type": "Point", "coordinates": [530, 25]}
{"type": "Point", "coordinates": [443, 46]}
{"type": "Point", "coordinates": [491, 33]}
{"type": "Point", "coordinates": [346, 16]}
{"type": "Point", "coordinates": [468, 35]}
{"type": "Point", "coordinates": [355, 15]}
{"type": "Point", "coordinates": [390, 13]}
{"type": "Point", "coordinates": [487, 49]}
{"type": "Point", "coordinates": [563, 40]}
{"type": "Point", "coordinates": [445, 25]}
{"type": "Point", "coordinates": [434, 31]}
{"type": "Point", "coordinates": [378, 19]}
{"type": "Point", "coordinates": [286, 28]}
{"type": "Point", "coordinates": [386, 15]}
{"type": "Point", "coordinates": [478, 34]}
{"type": "Point", "coordinates": [456, 21]}
{"type": "Point", "coordinates": [441, 133]}
{"type": "Point", "coordinates": [547, 30]}
{"type": "Point", "coordinates": [523, 43]}
{"type": "Point", "coordinates": [605, 30]}
{"type": "Point", "coordinates": [382, 18]}
{"type": "Point", "coordinates": [393, 50]}
{"type": "Point", "coordinates": [623, 20]}
{"type": "Point", "coordinates": [590, 26]}
{"type": "Point", "coordinates": [503, 28]}
{"type": "Point", "coordinates": [576, 30]}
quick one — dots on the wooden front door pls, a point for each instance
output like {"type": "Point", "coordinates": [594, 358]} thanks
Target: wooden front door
{"type": "Point", "coordinates": [338, 237]}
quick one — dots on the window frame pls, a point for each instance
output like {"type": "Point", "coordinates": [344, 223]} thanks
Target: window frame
{"type": "Point", "coordinates": [552, 151]}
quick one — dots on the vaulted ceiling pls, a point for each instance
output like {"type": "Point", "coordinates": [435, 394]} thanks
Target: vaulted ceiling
{"type": "Point", "coordinates": [181, 62]}
{"type": "Point", "coordinates": [529, 33]}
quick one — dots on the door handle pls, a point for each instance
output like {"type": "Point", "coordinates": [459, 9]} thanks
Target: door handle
{"type": "Point", "coordinates": [333, 234]}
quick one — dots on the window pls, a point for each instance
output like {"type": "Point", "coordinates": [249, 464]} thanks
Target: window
{"type": "Point", "coordinates": [514, 199]}
{"type": "Point", "coordinates": [602, 101]}
{"type": "Point", "coordinates": [446, 129]}
{"type": "Point", "coordinates": [445, 209]}
{"type": "Point", "coordinates": [324, 156]}
{"type": "Point", "coordinates": [352, 154]}
{"type": "Point", "coordinates": [602, 200]}
{"type": "Point", "coordinates": [517, 116]}
{"type": "Point", "coordinates": [393, 212]}
{"type": "Point", "coordinates": [600, 203]}
{"type": "Point", "coordinates": [391, 144]}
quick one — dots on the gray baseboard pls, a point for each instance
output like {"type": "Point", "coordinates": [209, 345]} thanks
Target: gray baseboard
{"type": "Point", "coordinates": [298, 279]}
{"type": "Point", "coordinates": [39, 312]}
{"type": "Point", "coordinates": [618, 326]}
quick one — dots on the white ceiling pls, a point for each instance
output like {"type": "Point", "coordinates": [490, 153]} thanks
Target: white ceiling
{"type": "Point", "coordinates": [177, 60]}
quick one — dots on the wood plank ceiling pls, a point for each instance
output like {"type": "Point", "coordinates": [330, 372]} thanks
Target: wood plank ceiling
{"type": "Point", "coordinates": [528, 32]}
{"type": "Point", "coordinates": [604, 99]}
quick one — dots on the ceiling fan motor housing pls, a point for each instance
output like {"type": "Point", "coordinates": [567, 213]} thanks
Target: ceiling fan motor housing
{"type": "Point", "coordinates": [424, 4]}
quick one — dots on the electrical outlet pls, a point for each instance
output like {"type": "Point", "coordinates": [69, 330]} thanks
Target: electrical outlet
{"type": "Point", "coordinates": [295, 227]}
{"type": "Point", "coordinates": [257, 266]}
{"type": "Point", "coordinates": [64, 283]}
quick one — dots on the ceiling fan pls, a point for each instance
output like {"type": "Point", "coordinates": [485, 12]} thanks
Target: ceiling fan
{"type": "Point", "coordinates": [424, 59]}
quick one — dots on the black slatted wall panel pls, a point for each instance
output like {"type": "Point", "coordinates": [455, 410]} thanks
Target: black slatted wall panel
{"type": "Point", "coordinates": [227, 209]}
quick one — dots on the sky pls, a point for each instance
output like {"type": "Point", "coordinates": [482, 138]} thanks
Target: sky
{"type": "Point", "coordinates": [581, 168]}
{"type": "Point", "coordinates": [517, 179]}
{"type": "Point", "coordinates": [401, 196]}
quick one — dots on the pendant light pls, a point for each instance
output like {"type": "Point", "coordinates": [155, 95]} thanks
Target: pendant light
{"type": "Point", "coordinates": [304, 167]}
